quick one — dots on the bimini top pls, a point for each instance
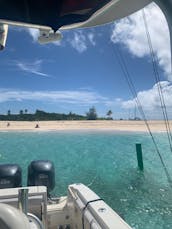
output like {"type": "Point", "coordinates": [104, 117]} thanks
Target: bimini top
{"type": "Point", "coordinates": [66, 13]}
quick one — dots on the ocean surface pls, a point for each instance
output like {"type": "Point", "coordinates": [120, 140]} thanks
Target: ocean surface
{"type": "Point", "coordinates": [106, 162]}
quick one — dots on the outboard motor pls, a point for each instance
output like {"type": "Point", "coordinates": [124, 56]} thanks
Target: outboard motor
{"type": "Point", "coordinates": [10, 176]}
{"type": "Point", "coordinates": [41, 173]}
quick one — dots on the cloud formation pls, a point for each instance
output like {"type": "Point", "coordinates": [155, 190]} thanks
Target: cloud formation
{"type": "Point", "coordinates": [150, 99]}
{"type": "Point", "coordinates": [70, 97]}
{"type": "Point", "coordinates": [31, 67]}
{"type": "Point", "coordinates": [81, 40]}
{"type": "Point", "coordinates": [131, 33]}
{"type": "Point", "coordinates": [78, 42]}
{"type": "Point", "coordinates": [34, 33]}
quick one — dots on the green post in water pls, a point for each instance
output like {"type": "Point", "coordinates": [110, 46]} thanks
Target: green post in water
{"type": "Point", "coordinates": [139, 156]}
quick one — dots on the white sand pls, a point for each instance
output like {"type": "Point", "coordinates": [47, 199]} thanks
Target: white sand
{"type": "Point", "coordinates": [155, 126]}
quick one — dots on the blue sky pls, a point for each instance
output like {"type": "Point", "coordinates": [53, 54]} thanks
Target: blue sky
{"type": "Point", "coordinates": [82, 70]}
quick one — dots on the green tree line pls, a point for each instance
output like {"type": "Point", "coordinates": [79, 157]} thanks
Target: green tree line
{"type": "Point", "coordinates": [46, 116]}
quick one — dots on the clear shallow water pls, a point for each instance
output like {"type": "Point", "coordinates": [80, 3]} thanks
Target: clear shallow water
{"type": "Point", "coordinates": [107, 162]}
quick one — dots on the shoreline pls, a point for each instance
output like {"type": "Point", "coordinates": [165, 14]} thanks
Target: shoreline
{"type": "Point", "coordinates": [86, 125]}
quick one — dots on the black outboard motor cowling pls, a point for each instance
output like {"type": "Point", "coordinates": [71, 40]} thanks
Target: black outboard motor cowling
{"type": "Point", "coordinates": [10, 176]}
{"type": "Point", "coordinates": [41, 172]}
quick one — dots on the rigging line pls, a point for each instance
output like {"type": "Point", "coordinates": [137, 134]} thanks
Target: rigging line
{"type": "Point", "coordinates": [93, 180]}
{"type": "Point", "coordinates": [157, 79]}
{"type": "Point", "coordinates": [134, 93]}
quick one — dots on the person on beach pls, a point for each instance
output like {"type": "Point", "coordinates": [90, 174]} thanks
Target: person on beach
{"type": "Point", "coordinates": [37, 126]}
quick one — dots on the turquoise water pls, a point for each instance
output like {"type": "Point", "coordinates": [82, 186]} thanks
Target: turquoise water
{"type": "Point", "coordinates": [106, 161]}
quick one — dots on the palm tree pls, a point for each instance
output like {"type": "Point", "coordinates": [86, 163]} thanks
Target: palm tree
{"type": "Point", "coordinates": [25, 111]}
{"type": "Point", "coordinates": [21, 112]}
{"type": "Point", "coordinates": [8, 112]}
{"type": "Point", "coordinates": [109, 113]}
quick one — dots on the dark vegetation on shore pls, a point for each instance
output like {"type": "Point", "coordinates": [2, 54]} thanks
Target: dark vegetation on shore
{"type": "Point", "coordinates": [46, 116]}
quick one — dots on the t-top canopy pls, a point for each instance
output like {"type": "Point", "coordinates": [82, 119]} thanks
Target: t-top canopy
{"type": "Point", "coordinates": [51, 13]}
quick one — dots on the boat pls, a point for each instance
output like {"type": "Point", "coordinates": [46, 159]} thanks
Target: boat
{"type": "Point", "coordinates": [33, 206]}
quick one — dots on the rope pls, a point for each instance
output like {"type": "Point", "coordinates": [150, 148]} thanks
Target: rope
{"type": "Point", "coordinates": [134, 93]}
{"type": "Point", "coordinates": [157, 80]}
{"type": "Point", "coordinates": [93, 180]}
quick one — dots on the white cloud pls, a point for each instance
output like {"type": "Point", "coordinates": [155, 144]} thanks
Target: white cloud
{"type": "Point", "coordinates": [91, 38]}
{"type": "Point", "coordinates": [131, 33]}
{"type": "Point", "coordinates": [70, 97]}
{"type": "Point", "coordinates": [150, 99]}
{"type": "Point", "coordinates": [34, 33]}
{"type": "Point", "coordinates": [81, 40]}
{"type": "Point", "coordinates": [114, 102]}
{"type": "Point", "coordinates": [78, 42]}
{"type": "Point", "coordinates": [31, 67]}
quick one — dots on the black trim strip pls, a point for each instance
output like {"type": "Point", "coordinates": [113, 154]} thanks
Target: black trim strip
{"type": "Point", "coordinates": [91, 201]}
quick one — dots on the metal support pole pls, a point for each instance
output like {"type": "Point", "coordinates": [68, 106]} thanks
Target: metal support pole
{"type": "Point", "coordinates": [23, 200]}
{"type": "Point", "coordinates": [139, 156]}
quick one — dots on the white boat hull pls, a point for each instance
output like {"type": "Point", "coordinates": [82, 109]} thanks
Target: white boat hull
{"type": "Point", "coordinates": [82, 208]}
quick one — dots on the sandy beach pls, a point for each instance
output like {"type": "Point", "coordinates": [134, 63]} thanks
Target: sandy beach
{"type": "Point", "coordinates": [155, 126]}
